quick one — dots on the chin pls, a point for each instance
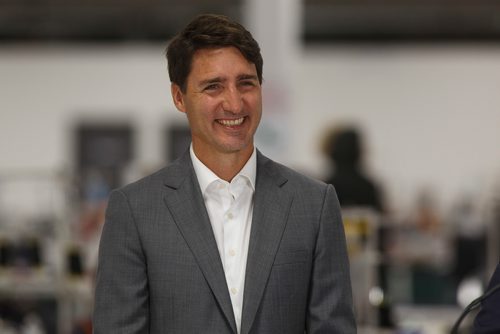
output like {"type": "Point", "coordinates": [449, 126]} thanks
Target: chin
{"type": "Point", "coordinates": [234, 147]}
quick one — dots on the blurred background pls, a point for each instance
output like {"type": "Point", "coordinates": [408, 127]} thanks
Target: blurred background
{"type": "Point", "coordinates": [394, 102]}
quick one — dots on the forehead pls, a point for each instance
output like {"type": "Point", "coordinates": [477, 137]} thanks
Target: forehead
{"type": "Point", "coordinates": [220, 61]}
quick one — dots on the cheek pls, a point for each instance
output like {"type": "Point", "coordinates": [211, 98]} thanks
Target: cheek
{"type": "Point", "coordinates": [256, 107]}
{"type": "Point", "coordinates": [254, 102]}
{"type": "Point", "coordinates": [201, 114]}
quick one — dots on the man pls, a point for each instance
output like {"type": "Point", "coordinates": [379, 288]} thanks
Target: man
{"type": "Point", "coordinates": [223, 240]}
{"type": "Point", "coordinates": [488, 319]}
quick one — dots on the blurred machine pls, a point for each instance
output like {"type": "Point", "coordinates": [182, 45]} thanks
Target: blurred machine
{"type": "Point", "coordinates": [361, 229]}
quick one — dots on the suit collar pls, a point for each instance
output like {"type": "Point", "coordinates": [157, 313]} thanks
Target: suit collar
{"type": "Point", "coordinates": [269, 170]}
{"type": "Point", "coordinates": [183, 167]}
{"type": "Point", "coordinates": [194, 225]}
{"type": "Point", "coordinates": [176, 173]}
{"type": "Point", "coordinates": [272, 202]}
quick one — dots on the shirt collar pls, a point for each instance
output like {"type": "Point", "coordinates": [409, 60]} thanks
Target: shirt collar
{"type": "Point", "coordinates": [206, 176]}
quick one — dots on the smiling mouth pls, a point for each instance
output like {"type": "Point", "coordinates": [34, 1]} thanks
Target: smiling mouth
{"type": "Point", "coordinates": [231, 122]}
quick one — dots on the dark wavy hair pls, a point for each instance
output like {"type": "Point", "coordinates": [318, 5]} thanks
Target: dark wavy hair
{"type": "Point", "coordinates": [209, 31]}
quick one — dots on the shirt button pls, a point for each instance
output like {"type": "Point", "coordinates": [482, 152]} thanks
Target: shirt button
{"type": "Point", "coordinates": [232, 252]}
{"type": "Point", "coordinates": [234, 291]}
{"type": "Point", "coordinates": [229, 215]}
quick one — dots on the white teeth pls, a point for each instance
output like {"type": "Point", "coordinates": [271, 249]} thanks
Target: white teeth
{"type": "Point", "coordinates": [231, 122]}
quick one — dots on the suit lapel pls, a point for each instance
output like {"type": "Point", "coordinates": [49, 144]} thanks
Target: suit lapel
{"type": "Point", "coordinates": [271, 207]}
{"type": "Point", "coordinates": [185, 202]}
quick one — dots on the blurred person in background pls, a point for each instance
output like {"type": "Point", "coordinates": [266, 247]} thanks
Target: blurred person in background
{"type": "Point", "coordinates": [223, 240]}
{"type": "Point", "coordinates": [353, 186]}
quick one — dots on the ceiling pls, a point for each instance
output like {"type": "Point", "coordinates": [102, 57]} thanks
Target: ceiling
{"type": "Point", "coordinates": [323, 21]}
{"type": "Point", "coordinates": [103, 19]}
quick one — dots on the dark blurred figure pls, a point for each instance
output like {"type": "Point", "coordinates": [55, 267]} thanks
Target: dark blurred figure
{"type": "Point", "coordinates": [353, 187]}
{"type": "Point", "coordinates": [488, 319]}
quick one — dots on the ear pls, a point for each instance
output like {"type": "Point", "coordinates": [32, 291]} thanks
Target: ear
{"type": "Point", "coordinates": [178, 97]}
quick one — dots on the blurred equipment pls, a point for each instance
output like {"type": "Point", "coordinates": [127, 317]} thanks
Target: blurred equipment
{"type": "Point", "coordinates": [470, 239]}
{"type": "Point", "coordinates": [361, 227]}
{"type": "Point", "coordinates": [36, 218]}
{"type": "Point", "coordinates": [102, 152]}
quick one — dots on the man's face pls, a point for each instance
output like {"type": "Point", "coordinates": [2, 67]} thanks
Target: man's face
{"type": "Point", "coordinates": [222, 101]}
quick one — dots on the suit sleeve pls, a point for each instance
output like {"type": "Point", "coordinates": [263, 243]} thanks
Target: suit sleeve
{"type": "Point", "coordinates": [330, 307]}
{"type": "Point", "coordinates": [121, 294]}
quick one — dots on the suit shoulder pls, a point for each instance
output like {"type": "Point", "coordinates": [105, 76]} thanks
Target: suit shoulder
{"type": "Point", "coordinates": [148, 182]}
{"type": "Point", "coordinates": [176, 170]}
{"type": "Point", "coordinates": [153, 184]}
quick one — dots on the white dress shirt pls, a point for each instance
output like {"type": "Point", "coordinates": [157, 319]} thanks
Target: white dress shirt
{"type": "Point", "coordinates": [230, 208]}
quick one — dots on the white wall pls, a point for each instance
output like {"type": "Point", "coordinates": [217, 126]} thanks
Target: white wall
{"type": "Point", "coordinates": [431, 115]}
{"type": "Point", "coordinates": [47, 90]}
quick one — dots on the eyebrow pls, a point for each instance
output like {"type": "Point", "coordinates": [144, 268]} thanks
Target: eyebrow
{"type": "Point", "coordinates": [247, 77]}
{"type": "Point", "coordinates": [210, 81]}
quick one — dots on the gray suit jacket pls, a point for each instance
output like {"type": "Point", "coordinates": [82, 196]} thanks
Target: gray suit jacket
{"type": "Point", "coordinates": [160, 271]}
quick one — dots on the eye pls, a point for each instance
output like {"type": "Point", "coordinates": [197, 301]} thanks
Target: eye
{"type": "Point", "coordinates": [248, 83]}
{"type": "Point", "coordinates": [212, 87]}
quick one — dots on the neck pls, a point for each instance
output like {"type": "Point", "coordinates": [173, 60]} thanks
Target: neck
{"type": "Point", "coordinates": [224, 165]}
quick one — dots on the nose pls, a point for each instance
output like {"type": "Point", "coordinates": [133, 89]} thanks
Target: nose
{"type": "Point", "coordinates": [233, 100]}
